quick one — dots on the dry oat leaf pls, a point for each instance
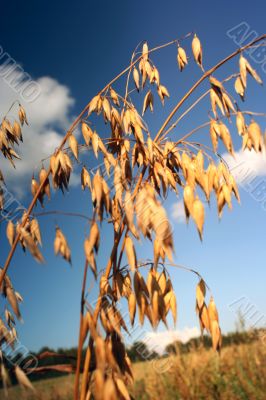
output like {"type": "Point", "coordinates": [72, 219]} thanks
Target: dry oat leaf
{"type": "Point", "coordinates": [73, 144]}
{"type": "Point", "coordinates": [22, 378]}
{"type": "Point", "coordinates": [198, 214]}
{"type": "Point", "coordinates": [197, 51]}
{"type": "Point", "coordinates": [131, 253]}
{"type": "Point", "coordinates": [10, 232]}
{"type": "Point", "coordinates": [181, 58]}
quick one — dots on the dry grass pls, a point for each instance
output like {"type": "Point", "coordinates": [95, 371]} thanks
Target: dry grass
{"type": "Point", "coordinates": [239, 374]}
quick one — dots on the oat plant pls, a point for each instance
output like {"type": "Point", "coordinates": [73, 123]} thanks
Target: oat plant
{"type": "Point", "coordinates": [137, 169]}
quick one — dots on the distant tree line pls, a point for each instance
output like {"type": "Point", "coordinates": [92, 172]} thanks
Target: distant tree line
{"type": "Point", "coordinates": [139, 351]}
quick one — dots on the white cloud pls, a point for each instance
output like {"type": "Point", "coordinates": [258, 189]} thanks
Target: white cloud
{"type": "Point", "coordinates": [157, 341]}
{"type": "Point", "coordinates": [178, 212]}
{"type": "Point", "coordinates": [246, 164]}
{"type": "Point", "coordinates": [49, 117]}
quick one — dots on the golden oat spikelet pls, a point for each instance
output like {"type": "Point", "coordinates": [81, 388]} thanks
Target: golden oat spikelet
{"type": "Point", "coordinates": [181, 58]}
{"type": "Point", "coordinates": [216, 101]}
{"type": "Point", "coordinates": [122, 389]}
{"type": "Point", "coordinates": [197, 51]}
{"type": "Point", "coordinates": [61, 246]}
{"type": "Point", "coordinates": [214, 325]}
{"type": "Point", "coordinates": [240, 123]}
{"type": "Point", "coordinates": [22, 115]}
{"type": "Point", "coordinates": [31, 245]}
{"type": "Point", "coordinates": [148, 102]}
{"type": "Point", "coordinates": [10, 232]}
{"type": "Point", "coordinates": [132, 307]}
{"type": "Point", "coordinates": [35, 231]}
{"type": "Point", "coordinates": [22, 378]}
{"type": "Point", "coordinates": [200, 293]}
{"type": "Point", "coordinates": [162, 93]}
{"type": "Point", "coordinates": [114, 96]}
{"type": "Point", "coordinates": [131, 253]}
{"type": "Point", "coordinates": [86, 132]}
{"type": "Point", "coordinates": [136, 78]}
{"type": "Point", "coordinates": [226, 138]}
{"type": "Point", "coordinates": [145, 51]}
{"type": "Point", "coordinates": [255, 135]}
{"type": "Point", "coordinates": [73, 144]}
{"type": "Point", "coordinates": [198, 214]}
{"type": "Point", "coordinates": [188, 197]}
{"type": "Point", "coordinates": [240, 88]}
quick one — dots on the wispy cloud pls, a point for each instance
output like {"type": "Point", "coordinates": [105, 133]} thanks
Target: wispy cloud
{"type": "Point", "coordinates": [178, 212]}
{"type": "Point", "coordinates": [246, 163]}
{"type": "Point", "coordinates": [49, 116]}
{"type": "Point", "coordinates": [157, 341]}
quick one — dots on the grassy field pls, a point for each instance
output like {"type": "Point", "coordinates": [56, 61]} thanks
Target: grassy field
{"type": "Point", "coordinates": [238, 374]}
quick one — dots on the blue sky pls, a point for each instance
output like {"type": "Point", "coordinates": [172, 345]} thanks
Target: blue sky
{"type": "Point", "coordinates": [73, 49]}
